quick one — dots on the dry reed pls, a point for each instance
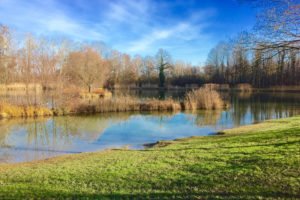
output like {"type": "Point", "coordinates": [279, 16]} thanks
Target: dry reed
{"type": "Point", "coordinates": [203, 98]}
{"type": "Point", "coordinates": [7, 111]}
{"type": "Point", "coordinates": [124, 104]}
{"type": "Point", "coordinates": [244, 87]}
{"type": "Point", "coordinates": [21, 87]}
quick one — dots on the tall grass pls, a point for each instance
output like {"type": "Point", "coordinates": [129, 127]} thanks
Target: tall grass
{"type": "Point", "coordinates": [211, 86]}
{"type": "Point", "coordinates": [160, 105]}
{"type": "Point", "coordinates": [203, 98]}
{"type": "Point", "coordinates": [7, 110]}
{"type": "Point", "coordinates": [217, 87]}
{"type": "Point", "coordinates": [124, 104]}
{"type": "Point", "coordinates": [21, 87]}
{"type": "Point", "coordinates": [244, 87]}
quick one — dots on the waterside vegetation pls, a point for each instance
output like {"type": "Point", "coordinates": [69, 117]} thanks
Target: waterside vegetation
{"type": "Point", "coordinates": [90, 103]}
{"type": "Point", "coordinates": [258, 161]}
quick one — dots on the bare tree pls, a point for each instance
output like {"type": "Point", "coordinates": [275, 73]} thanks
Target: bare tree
{"type": "Point", "coordinates": [114, 60]}
{"type": "Point", "coordinates": [217, 59]}
{"type": "Point", "coordinates": [47, 62]}
{"type": "Point", "coordinates": [86, 67]}
{"type": "Point", "coordinates": [27, 60]}
{"type": "Point", "coordinates": [278, 24]}
{"type": "Point", "coordinates": [148, 69]}
{"type": "Point", "coordinates": [7, 62]}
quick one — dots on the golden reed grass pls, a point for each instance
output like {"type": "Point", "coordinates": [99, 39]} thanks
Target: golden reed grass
{"type": "Point", "coordinates": [124, 104]}
{"type": "Point", "coordinates": [7, 111]}
{"type": "Point", "coordinates": [203, 98]}
{"type": "Point", "coordinates": [244, 87]}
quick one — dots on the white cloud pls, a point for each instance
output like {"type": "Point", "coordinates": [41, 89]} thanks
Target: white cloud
{"type": "Point", "coordinates": [132, 26]}
{"type": "Point", "coordinates": [42, 17]}
{"type": "Point", "coordinates": [170, 37]}
{"type": "Point", "coordinates": [130, 12]}
{"type": "Point", "coordinates": [159, 34]}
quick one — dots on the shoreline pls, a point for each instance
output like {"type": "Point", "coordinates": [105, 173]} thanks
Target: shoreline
{"type": "Point", "coordinates": [146, 146]}
{"type": "Point", "coordinates": [270, 89]}
{"type": "Point", "coordinates": [208, 167]}
{"type": "Point", "coordinates": [170, 105]}
{"type": "Point", "coordinates": [158, 143]}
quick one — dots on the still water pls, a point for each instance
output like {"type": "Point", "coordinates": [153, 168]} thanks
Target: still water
{"type": "Point", "coordinates": [31, 139]}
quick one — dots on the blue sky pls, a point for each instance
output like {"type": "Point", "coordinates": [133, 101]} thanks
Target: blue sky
{"type": "Point", "coordinates": [188, 29]}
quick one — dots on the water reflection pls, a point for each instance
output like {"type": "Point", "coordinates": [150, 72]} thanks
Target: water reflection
{"type": "Point", "coordinates": [30, 139]}
{"type": "Point", "coordinates": [261, 106]}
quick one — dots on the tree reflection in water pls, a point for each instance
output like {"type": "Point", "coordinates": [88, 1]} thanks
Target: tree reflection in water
{"type": "Point", "coordinates": [29, 139]}
{"type": "Point", "coordinates": [51, 135]}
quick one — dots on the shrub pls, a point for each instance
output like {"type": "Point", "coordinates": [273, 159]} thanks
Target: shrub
{"type": "Point", "coordinates": [203, 98]}
{"type": "Point", "coordinates": [244, 87]}
{"type": "Point", "coordinates": [214, 86]}
{"type": "Point", "coordinates": [211, 86]}
{"type": "Point", "coordinates": [160, 105]}
{"type": "Point", "coordinates": [224, 87]}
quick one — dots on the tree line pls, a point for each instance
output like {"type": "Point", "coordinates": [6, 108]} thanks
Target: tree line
{"type": "Point", "coordinates": [266, 56]}
{"type": "Point", "coordinates": [232, 62]}
{"type": "Point", "coordinates": [46, 61]}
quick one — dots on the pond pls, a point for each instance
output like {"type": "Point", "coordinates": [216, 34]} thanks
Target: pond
{"type": "Point", "coordinates": [32, 139]}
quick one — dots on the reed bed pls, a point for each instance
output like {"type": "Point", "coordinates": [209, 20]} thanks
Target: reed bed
{"type": "Point", "coordinates": [21, 87]}
{"type": "Point", "coordinates": [203, 98]}
{"type": "Point", "coordinates": [7, 111]}
{"type": "Point", "coordinates": [217, 87]}
{"type": "Point", "coordinates": [160, 105]}
{"type": "Point", "coordinates": [125, 104]}
{"type": "Point", "coordinates": [211, 86]}
{"type": "Point", "coordinates": [244, 87]}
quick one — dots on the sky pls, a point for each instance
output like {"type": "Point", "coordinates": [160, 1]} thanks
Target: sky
{"type": "Point", "coordinates": [187, 29]}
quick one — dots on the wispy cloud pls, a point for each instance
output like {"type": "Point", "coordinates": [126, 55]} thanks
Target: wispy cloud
{"type": "Point", "coordinates": [174, 35]}
{"type": "Point", "coordinates": [156, 35]}
{"type": "Point", "coordinates": [44, 17]}
{"type": "Point", "coordinates": [133, 26]}
{"type": "Point", "coordinates": [128, 12]}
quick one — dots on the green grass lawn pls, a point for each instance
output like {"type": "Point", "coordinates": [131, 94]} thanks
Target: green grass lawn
{"type": "Point", "coordinates": [250, 162]}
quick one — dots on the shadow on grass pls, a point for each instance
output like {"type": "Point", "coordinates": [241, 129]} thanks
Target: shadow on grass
{"type": "Point", "coordinates": [221, 147]}
{"type": "Point", "coordinates": [161, 195]}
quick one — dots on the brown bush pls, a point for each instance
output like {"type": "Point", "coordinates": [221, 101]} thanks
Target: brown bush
{"type": "Point", "coordinates": [211, 86]}
{"type": "Point", "coordinates": [244, 87]}
{"type": "Point", "coordinates": [96, 94]}
{"type": "Point", "coordinates": [214, 86]}
{"type": "Point", "coordinates": [160, 105]}
{"type": "Point", "coordinates": [224, 87]}
{"type": "Point", "coordinates": [203, 98]}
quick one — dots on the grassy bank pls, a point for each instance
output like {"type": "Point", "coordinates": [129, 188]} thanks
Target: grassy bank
{"type": "Point", "coordinates": [251, 162]}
